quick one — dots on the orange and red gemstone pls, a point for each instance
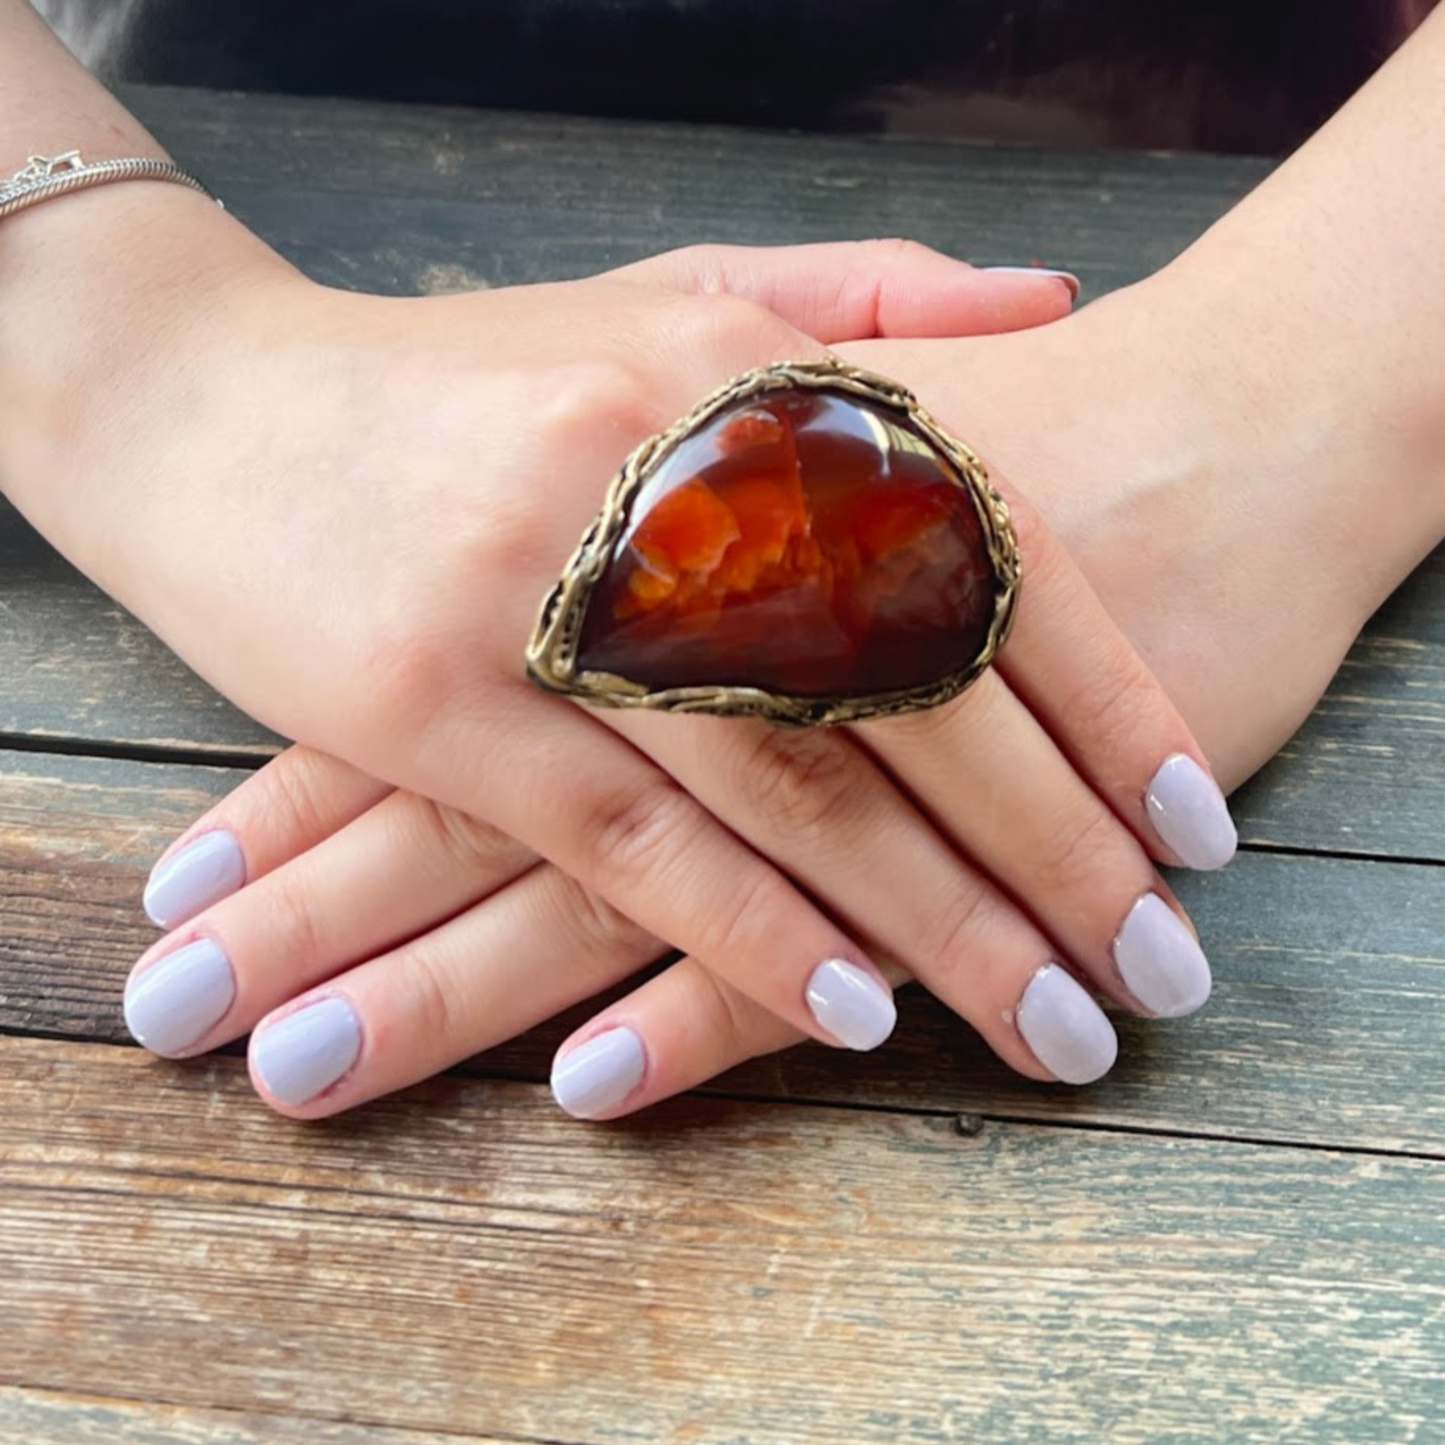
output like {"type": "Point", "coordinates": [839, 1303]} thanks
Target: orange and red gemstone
{"type": "Point", "coordinates": [804, 541]}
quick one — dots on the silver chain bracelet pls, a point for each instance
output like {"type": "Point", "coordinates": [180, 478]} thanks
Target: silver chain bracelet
{"type": "Point", "coordinates": [45, 176]}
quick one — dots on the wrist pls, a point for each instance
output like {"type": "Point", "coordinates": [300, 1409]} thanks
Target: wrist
{"type": "Point", "coordinates": [108, 296]}
{"type": "Point", "coordinates": [1332, 436]}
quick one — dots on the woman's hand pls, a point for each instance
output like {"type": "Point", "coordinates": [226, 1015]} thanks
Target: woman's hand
{"type": "Point", "coordinates": [442, 483]}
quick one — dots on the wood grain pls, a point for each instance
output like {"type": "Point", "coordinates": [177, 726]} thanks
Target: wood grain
{"type": "Point", "coordinates": [407, 199]}
{"type": "Point", "coordinates": [497, 198]}
{"type": "Point", "coordinates": [39, 1417]}
{"type": "Point", "coordinates": [79, 670]}
{"type": "Point", "coordinates": [470, 1260]}
{"type": "Point", "coordinates": [1324, 1027]}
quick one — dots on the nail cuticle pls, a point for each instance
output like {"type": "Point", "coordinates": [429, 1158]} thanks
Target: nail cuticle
{"type": "Point", "coordinates": [1067, 1032]}
{"type": "Point", "coordinates": [180, 997]}
{"type": "Point", "coordinates": [1067, 277]}
{"type": "Point", "coordinates": [850, 1004]}
{"type": "Point", "coordinates": [1189, 813]}
{"type": "Point", "coordinates": [1160, 961]}
{"type": "Point", "coordinates": [210, 867]}
{"type": "Point", "coordinates": [308, 1051]}
{"type": "Point", "coordinates": [598, 1075]}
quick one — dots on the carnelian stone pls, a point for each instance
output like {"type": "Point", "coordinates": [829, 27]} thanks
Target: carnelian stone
{"type": "Point", "coordinates": [803, 541]}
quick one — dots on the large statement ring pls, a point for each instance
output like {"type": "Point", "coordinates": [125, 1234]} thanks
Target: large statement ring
{"type": "Point", "coordinates": [807, 545]}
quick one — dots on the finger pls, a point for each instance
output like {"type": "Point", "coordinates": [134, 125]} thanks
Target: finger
{"type": "Point", "coordinates": [1068, 661]}
{"type": "Point", "coordinates": [292, 803]}
{"type": "Point", "coordinates": [631, 834]}
{"type": "Point", "coordinates": [530, 950]}
{"type": "Point", "coordinates": [676, 1031]}
{"type": "Point", "coordinates": [819, 806]}
{"type": "Point", "coordinates": [997, 786]}
{"type": "Point", "coordinates": [685, 1027]}
{"type": "Point", "coordinates": [403, 867]}
{"type": "Point", "coordinates": [846, 290]}
{"type": "Point", "coordinates": [1077, 673]}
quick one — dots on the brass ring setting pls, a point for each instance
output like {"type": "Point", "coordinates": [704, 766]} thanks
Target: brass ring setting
{"type": "Point", "coordinates": [807, 546]}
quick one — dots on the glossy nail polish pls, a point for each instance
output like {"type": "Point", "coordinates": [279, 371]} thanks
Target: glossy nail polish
{"type": "Point", "coordinates": [1067, 277]}
{"type": "Point", "coordinates": [851, 1004]}
{"type": "Point", "coordinates": [206, 870]}
{"type": "Point", "coordinates": [1065, 1028]}
{"type": "Point", "coordinates": [597, 1076]}
{"type": "Point", "coordinates": [306, 1052]}
{"type": "Point", "coordinates": [180, 998]}
{"type": "Point", "coordinates": [1161, 960]}
{"type": "Point", "coordinates": [1189, 813]}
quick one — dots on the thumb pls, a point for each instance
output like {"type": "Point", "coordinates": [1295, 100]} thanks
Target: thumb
{"type": "Point", "coordinates": [852, 290]}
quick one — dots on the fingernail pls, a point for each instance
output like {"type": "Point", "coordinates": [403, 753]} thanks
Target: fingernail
{"type": "Point", "coordinates": [851, 1004]}
{"type": "Point", "coordinates": [175, 1002]}
{"type": "Point", "coordinates": [1066, 1029]}
{"type": "Point", "coordinates": [1189, 813]}
{"type": "Point", "coordinates": [1161, 961]}
{"type": "Point", "coordinates": [307, 1051]}
{"type": "Point", "coordinates": [1067, 277]}
{"type": "Point", "coordinates": [206, 870]}
{"type": "Point", "coordinates": [597, 1076]}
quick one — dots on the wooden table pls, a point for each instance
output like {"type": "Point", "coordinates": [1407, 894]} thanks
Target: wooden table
{"type": "Point", "coordinates": [1237, 1237]}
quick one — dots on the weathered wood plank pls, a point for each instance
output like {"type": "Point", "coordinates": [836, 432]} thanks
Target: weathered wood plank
{"type": "Point", "coordinates": [439, 192]}
{"type": "Point", "coordinates": [39, 1417]}
{"type": "Point", "coordinates": [77, 667]}
{"type": "Point", "coordinates": [467, 1259]}
{"type": "Point", "coordinates": [396, 198]}
{"type": "Point", "coordinates": [1324, 1027]}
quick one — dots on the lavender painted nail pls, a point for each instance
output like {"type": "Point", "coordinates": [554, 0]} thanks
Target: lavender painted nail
{"type": "Point", "coordinates": [1161, 961]}
{"type": "Point", "coordinates": [1189, 813]}
{"type": "Point", "coordinates": [180, 998]}
{"type": "Point", "coordinates": [851, 1004]}
{"type": "Point", "coordinates": [306, 1052]}
{"type": "Point", "coordinates": [1067, 277]}
{"type": "Point", "coordinates": [597, 1076]}
{"type": "Point", "coordinates": [206, 870]}
{"type": "Point", "coordinates": [1066, 1029]}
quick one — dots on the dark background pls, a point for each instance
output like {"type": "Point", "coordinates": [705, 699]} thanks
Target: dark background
{"type": "Point", "coordinates": [1224, 75]}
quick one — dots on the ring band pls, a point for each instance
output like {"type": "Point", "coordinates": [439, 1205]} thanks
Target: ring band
{"type": "Point", "coordinates": [807, 545]}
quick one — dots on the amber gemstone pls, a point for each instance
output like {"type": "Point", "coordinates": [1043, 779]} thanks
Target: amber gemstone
{"type": "Point", "coordinates": [804, 541]}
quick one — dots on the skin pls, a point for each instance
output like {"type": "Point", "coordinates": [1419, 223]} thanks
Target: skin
{"type": "Point", "coordinates": [1256, 387]}
{"type": "Point", "coordinates": [480, 432]}
{"type": "Point", "coordinates": [696, 1019]}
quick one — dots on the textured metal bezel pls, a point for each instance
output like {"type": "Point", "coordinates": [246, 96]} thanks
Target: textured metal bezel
{"type": "Point", "coordinates": [552, 650]}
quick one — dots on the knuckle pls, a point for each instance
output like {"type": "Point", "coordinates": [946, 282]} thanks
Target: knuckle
{"type": "Point", "coordinates": [410, 671]}
{"type": "Point", "coordinates": [431, 1009]}
{"type": "Point", "coordinates": [724, 324]}
{"type": "Point", "coordinates": [462, 840]}
{"type": "Point", "coordinates": [1083, 858]}
{"type": "Point", "coordinates": [1105, 707]}
{"type": "Point", "coordinates": [954, 938]}
{"type": "Point", "coordinates": [605, 934]}
{"type": "Point", "coordinates": [705, 263]}
{"type": "Point", "coordinates": [631, 835]}
{"type": "Point", "coordinates": [758, 908]}
{"type": "Point", "coordinates": [293, 790]}
{"type": "Point", "coordinates": [589, 413]}
{"type": "Point", "coordinates": [296, 947]}
{"type": "Point", "coordinates": [806, 783]}
{"type": "Point", "coordinates": [898, 248]}
{"type": "Point", "coordinates": [724, 1017]}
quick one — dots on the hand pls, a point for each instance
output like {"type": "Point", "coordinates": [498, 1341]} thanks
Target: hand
{"type": "Point", "coordinates": [1048, 836]}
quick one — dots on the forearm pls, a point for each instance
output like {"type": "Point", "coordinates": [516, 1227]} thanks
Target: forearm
{"type": "Point", "coordinates": [48, 99]}
{"type": "Point", "coordinates": [93, 285]}
{"type": "Point", "coordinates": [1316, 306]}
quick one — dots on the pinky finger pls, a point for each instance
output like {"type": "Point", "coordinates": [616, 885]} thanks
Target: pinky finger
{"type": "Point", "coordinates": [298, 799]}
